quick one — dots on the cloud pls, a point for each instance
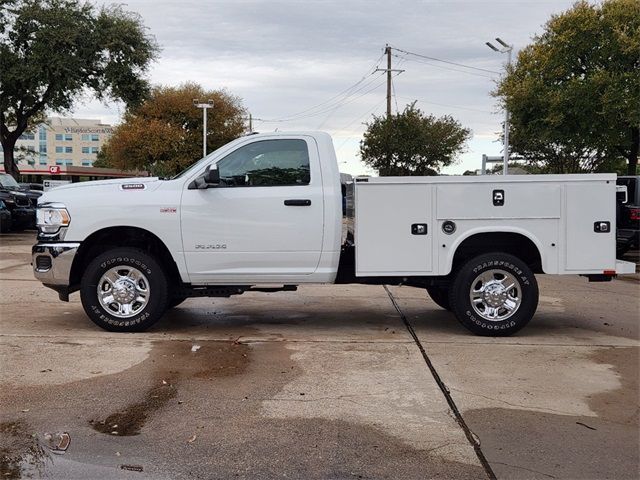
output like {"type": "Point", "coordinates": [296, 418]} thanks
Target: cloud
{"type": "Point", "coordinates": [283, 57]}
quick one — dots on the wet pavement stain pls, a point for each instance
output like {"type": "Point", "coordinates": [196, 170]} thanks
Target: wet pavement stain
{"type": "Point", "coordinates": [130, 420]}
{"type": "Point", "coordinates": [531, 444]}
{"type": "Point", "coordinates": [175, 362]}
{"type": "Point", "coordinates": [625, 362]}
{"type": "Point", "coordinates": [251, 447]}
{"type": "Point", "coordinates": [218, 402]}
{"type": "Point", "coordinates": [20, 451]}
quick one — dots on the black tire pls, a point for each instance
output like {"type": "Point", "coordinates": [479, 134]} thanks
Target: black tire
{"type": "Point", "coordinates": [493, 263]}
{"type": "Point", "coordinates": [440, 295]}
{"type": "Point", "coordinates": [126, 258]}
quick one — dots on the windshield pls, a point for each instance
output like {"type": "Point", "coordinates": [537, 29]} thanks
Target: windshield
{"type": "Point", "coordinates": [8, 181]}
{"type": "Point", "coordinates": [204, 160]}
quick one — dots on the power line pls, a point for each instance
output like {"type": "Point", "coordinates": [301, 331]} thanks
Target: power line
{"type": "Point", "coordinates": [327, 104]}
{"type": "Point", "coordinates": [446, 61]}
{"type": "Point", "coordinates": [329, 108]}
{"type": "Point", "coordinates": [334, 99]}
{"type": "Point", "coordinates": [350, 101]}
{"type": "Point", "coordinates": [366, 114]}
{"type": "Point", "coordinates": [395, 97]}
{"type": "Point", "coordinates": [442, 67]}
{"type": "Point", "coordinates": [448, 105]}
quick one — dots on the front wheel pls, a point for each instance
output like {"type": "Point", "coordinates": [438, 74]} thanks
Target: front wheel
{"type": "Point", "coordinates": [494, 294]}
{"type": "Point", "coordinates": [124, 290]}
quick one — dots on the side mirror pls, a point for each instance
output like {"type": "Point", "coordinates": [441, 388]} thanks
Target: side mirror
{"type": "Point", "coordinates": [212, 176]}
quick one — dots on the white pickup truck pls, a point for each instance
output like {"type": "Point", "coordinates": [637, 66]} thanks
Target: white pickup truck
{"type": "Point", "coordinates": [268, 212]}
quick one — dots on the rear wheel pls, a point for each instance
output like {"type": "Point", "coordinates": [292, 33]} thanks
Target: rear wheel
{"type": "Point", "coordinates": [124, 290]}
{"type": "Point", "coordinates": [440, 295]}
{"type": "Point", "coordinates": [494, 294]}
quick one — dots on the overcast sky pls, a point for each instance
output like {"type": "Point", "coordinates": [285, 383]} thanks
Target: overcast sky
{"type": "Point", "coordinates": [285, 57]}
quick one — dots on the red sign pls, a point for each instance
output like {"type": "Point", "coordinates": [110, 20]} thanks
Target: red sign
{"type": "Point", "coordinates": [54, 169]}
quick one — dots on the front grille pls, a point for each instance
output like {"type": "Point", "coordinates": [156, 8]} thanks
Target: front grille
{"type": "Point", "coordinates": [43, 263]}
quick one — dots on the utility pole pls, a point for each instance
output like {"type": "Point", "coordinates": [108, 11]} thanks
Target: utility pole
{"type": "Point", "coordinates": [387, 51]}
{"type": "Point", "coordinates": [506, 48]}
{"type": "Point", "coordinates": [204, 107]}
{"type": "Point", "coordinates": [250, 123]}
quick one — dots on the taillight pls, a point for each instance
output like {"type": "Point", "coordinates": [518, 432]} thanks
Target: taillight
{"type": "Point", "coordinates": [634, 213]}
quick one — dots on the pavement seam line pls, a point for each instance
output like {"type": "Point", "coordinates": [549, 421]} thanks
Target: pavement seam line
{"type": "Point", "coordinates": [471, 437]}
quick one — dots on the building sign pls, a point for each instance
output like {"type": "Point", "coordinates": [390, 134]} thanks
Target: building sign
{"type": "Point", "coordinates": [54, 169]}
{"type": "Point", "coordinates": [49, 184]}
{"type": "Point", "coordinates": [107, 130]}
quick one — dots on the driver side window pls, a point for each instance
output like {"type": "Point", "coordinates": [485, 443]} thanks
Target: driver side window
{"type": "Point", "coordinates": [266, 163]}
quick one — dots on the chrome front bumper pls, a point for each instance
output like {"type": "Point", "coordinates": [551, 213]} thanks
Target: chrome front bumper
{"type": "Point", "coordinates": [52, 262]}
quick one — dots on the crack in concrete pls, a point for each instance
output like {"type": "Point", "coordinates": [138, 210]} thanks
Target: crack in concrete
{"type": "Point", "coordinates": [471, 437]}
{"type": "Point", "coordinates": [524, 468]}
{"type": "Point", "coordinates": [523, 407]}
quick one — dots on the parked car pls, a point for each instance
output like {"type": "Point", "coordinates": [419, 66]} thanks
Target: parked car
{"type": "Point", "coordinates": [5, 218]}
{"type": "Point", "coordinates": [7, 182]}
{"type": "Point", "coordinates": [628, 216]}
{"type": "Point", "coordinates": [22, 204]}
{"type": "Point", "coordinates": [32, 186]}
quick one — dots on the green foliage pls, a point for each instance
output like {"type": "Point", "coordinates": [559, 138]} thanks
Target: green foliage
{"type": "Point", "coordinates": [163, 135]}
{"type": "Point", "coordinates": [529, 167]}
{"type": "Point", "coordinates": [412, 143]}
{"type": "Point", "coordinates": [101, 160]}
{"type": "Point", "coordinates": [574, 93]}
{"type": "Point", "coordinates": [54, 51]}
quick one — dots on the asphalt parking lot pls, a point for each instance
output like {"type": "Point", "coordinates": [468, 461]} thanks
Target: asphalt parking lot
{"type": "Point", "coordinates": [327, 382]}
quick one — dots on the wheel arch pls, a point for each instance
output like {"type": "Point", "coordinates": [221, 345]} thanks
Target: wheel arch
{"type": "Point", "coordinates": [123, 236]}
{"type": "Point", "coordinates": [515, 241]}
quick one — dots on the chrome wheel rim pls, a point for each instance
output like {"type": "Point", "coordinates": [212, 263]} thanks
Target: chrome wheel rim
{"type": "Point", "coordinates": [123, 291]}
{"type": "Point", "coordinates": [495, 295]}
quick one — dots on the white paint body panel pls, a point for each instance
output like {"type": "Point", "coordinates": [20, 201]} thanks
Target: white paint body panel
{"type": "Point", "coordinates": [384, 243]}
{"type": "Point", "coordinates": [556, 212]}
{"type": "Point", "coordinates": [261, 236]}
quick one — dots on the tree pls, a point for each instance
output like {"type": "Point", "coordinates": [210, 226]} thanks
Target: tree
{"type": "Point", "coordinates": [574, 93]}
{"type": "Point", "coordinates": [54, 51]}
{"type": "Point", "coordinates": [412, 143]}
{"type": "Point", "coordinates": [163, 135]}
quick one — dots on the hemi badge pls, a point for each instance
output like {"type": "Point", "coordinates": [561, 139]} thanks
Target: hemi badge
{"type": "Point", "coordinates": [133, 186]}
{"type": "Point", "coordinates": [168, 210]}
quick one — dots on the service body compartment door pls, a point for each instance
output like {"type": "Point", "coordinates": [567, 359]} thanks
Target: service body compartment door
{"type": "Point", "coordinates": [393, 229]}
{"type": "Point", "coordinates": [588, 247]}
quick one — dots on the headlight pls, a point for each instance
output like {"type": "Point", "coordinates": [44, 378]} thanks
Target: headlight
{"type": "Point", "coordinates": [50, 218]}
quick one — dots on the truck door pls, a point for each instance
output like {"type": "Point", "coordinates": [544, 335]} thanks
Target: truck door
{"type": "Point", "coordinates": [264, 221]}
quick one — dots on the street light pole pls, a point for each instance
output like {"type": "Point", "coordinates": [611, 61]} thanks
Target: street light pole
{"type": "Point", "coordinates": [204, 107]}
{"type": "Point", "coordinates": [506, 48]}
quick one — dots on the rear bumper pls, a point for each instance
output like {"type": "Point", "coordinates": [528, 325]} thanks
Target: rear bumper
{"type": "Point", "coordinates": [623, 267]}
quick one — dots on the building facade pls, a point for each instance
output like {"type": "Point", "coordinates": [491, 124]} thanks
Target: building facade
{"type": "Point", "coordinates": [63, 142]}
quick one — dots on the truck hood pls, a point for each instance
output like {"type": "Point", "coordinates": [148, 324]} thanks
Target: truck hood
{"type": "Point", "coordinates": [84, 190]}
{"type": "Point", "coordinates": [117, 181]}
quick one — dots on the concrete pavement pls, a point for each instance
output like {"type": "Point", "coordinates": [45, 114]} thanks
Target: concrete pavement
{"type": "Point", "coordinates": [326, 382]}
